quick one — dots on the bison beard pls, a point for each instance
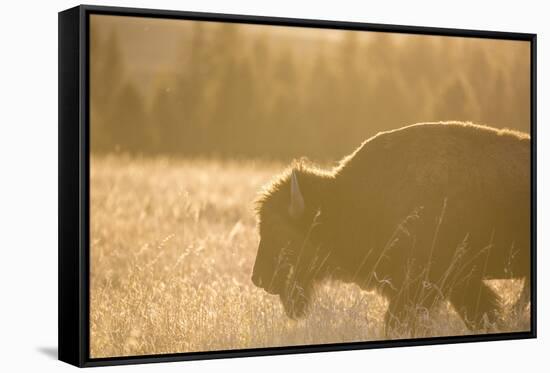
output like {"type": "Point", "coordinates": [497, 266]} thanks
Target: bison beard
{"type": "Point", "coordinates": [420, 214]}
{"type": "Point", "coordinates": [295, 299]}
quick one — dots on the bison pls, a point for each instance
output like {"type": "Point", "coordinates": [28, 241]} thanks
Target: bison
{"type": "Point", "coordinates": [419, 214]}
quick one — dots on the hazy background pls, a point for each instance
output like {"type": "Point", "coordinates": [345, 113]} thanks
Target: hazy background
{"type": "Point", "coordinates": [205, 88]}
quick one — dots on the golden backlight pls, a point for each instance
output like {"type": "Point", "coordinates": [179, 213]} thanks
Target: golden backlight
{"type": "Point", "coordinates": [188, 120]}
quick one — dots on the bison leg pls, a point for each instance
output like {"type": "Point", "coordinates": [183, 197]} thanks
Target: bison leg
{"type": "Point", "coordinates": [403, 315]}
{"type": "Point", "coordinates": [395, 316]}
{"type": "Point", "coordinates": [525, 296]}
{"type": "Point", "coordinates": [476, 303]}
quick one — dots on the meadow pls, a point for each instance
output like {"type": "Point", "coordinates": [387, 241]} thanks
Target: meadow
{"type": "Point", "coordinates": [173, 243]}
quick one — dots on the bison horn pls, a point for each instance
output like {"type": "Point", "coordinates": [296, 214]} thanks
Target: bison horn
{"type": "Point", "coordinates": [296, 207]}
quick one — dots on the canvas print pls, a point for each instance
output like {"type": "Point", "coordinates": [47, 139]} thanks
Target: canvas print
{"type": "Point", "coordinates": [257, 186]}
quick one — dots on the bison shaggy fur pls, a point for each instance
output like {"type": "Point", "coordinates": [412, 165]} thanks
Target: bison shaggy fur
{"type": "Point", "coordinates": [419, 214]}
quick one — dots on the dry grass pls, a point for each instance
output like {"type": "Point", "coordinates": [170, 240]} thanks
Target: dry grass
{"type": "Point", "coordinates": [173, 243]}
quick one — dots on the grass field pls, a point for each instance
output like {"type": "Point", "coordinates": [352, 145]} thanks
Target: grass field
{"type": "Point", "coordinates": [173, 243]}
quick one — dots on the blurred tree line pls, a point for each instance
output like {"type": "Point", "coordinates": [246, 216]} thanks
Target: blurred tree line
{"type": "Point", "coordinates": [236, 94]}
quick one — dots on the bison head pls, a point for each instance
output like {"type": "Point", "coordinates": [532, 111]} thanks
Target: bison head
{"type": "Point", "coordinates": [289, 256]}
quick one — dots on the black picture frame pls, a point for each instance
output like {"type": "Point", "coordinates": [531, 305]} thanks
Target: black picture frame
{"type": "Point", "coordinates": [74, 166]}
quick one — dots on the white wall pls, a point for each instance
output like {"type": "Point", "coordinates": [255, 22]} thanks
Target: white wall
{"type": "Point", "coordinates": [28, 197]}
